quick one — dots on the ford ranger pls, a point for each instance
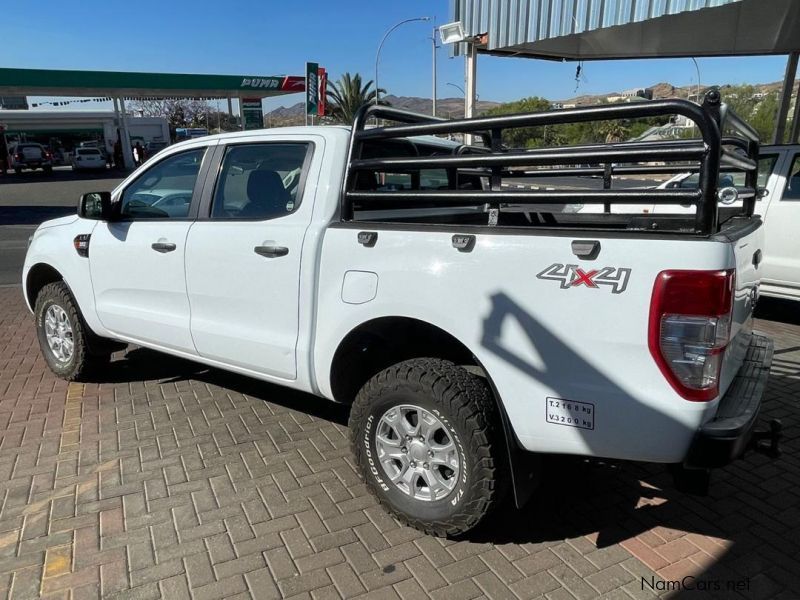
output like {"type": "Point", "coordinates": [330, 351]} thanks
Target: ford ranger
{"type": "Point", "coordinates": [470, 328]}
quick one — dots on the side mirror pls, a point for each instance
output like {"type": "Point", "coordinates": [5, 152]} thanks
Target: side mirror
{"type": "Point", "coordinates": [95, 206]}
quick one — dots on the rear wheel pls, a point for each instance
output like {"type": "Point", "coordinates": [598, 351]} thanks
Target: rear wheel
{"type": "Point", "coordinates": [63, 336]}
{"type": "Point", "coordinates": [426, 436]}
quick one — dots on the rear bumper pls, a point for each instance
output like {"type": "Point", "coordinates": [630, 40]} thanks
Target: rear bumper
{"type": "Point", "coordinates": [726, 436]}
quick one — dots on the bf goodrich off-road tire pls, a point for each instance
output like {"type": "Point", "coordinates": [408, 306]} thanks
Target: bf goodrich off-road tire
{"type": "Point", "coordinates": [428, 442]}
{"type": "Point", "coordinates": [63, 336]}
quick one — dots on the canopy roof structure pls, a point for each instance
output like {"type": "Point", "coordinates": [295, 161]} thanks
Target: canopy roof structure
{"type": "Point", "coordinates": [50, 82]}
{"type": "Point", "coordinates": [626, 29]}
{"type": "Point", "coordinates": [613, 29]}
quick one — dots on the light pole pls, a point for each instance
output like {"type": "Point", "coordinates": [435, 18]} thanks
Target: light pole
{"type": "Point", "coordinates": [697, 68]}
{"type": "Point", "coordinates": [458, 87]}
{"type": "Point", "coordinates": [463, 93]}
{"type": "Point", "coordinates": [380, 46]}
{"type": "Point", "coordinates": [453, 33]}
{"type": "Point", "coordinates": [435, 47]}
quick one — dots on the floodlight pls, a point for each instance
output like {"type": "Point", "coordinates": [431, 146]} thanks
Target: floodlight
{"type": "Point", "coordinates": [452, 33]}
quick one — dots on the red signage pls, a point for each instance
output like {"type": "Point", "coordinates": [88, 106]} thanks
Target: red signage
{"type": "Point", "coordinates": [323, 86]}
{"type": "Point", "coordinates": [293, 83]}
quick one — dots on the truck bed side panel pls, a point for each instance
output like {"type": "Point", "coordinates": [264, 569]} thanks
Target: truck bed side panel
{"type": "Point", "coordinates": [570, 361]}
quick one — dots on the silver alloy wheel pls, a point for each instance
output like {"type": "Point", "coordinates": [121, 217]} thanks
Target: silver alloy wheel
{"type": "Point", "coordinates": [417, 452]}
{"type": "Point", "coordinates": [58, 332]}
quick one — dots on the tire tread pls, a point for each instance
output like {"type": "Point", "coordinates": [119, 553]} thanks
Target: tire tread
{"type": "Point", "coordinates": [466, 399]}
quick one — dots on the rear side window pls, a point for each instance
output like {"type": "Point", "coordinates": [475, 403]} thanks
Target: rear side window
{"type": "Point", "coordinates": [792, 191]}
{"type": "Point", "coordinates": [766, 164]}
{"type": "Point", "coordinates": [259, 181]}
{"type": "Point", "coordinates": [164, 191]}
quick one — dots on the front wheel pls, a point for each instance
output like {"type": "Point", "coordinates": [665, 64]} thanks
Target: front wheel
{"type": "Point", "coordinates": [426, 436]}
{"type": "Point", "coordinates": [63, 336]}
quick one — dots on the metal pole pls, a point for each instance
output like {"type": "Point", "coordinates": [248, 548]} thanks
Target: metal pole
{"type": "Point", "coordinates": [127, 153]}
{"type": "Point", "coordinates": [697, 68]}
{"type": "Point", "coordinates": [380, 46]}
{"type": "Point", "coordinates": [786, 98]}
{"type": "Point", "coordinates": [117, 130]}
{"type": "Point", "coordinates": [433, 42]}
{"type": "Point", "coordinates": [470, 72]}
{"type": "Point", "coordinates": [794, 137]}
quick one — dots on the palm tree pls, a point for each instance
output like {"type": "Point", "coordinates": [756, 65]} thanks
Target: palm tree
{"type": "Point", "coordinates": [614, 131]}
{"type": "Point", "coordinates": [347, 95]}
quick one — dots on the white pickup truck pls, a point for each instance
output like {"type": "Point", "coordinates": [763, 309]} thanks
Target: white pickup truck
{"type": "Point", "coordinates": [391, 270]}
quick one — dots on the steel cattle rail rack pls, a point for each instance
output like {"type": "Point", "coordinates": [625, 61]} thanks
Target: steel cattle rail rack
{"type": "Point", "coordinates": [710, 155]}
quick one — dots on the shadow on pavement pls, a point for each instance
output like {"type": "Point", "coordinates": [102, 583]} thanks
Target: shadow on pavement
{"type": "Point", "coordinates": [142, 364]}
{"type": "Point", "coordinates": [61, 174]}
{"type": "Point", "coordinates": [32, 215]}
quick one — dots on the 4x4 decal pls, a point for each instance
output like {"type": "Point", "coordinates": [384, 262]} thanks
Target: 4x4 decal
{"type": "Point", "coordinates": [574, 276]}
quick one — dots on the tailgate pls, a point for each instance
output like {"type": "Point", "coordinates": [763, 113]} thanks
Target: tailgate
{"type": "Point", "coordinates": [746, 243]}
{"type": "Point", "coordinates": [32, 153]}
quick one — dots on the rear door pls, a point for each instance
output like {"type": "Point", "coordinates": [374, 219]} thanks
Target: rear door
{"type": "Point", "coordinates": [782, 220]}
{"type": "Point", "coordinates": [244, 254]}
{"type": "Point", "coordinates": [137, 261]}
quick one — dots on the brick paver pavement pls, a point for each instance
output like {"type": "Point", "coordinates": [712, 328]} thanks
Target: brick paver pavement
{"type": "Point", "coordinates": [167, 479]}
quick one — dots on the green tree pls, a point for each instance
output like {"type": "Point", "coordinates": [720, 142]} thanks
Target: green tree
{"type": "Point", "coordinates": [764, 115]}
{"type": "Point", "coordinates": [591, 132]}
{"type": "Point", "coordinates": [347, 95]}
{"type": "Point", "coordinates": [523, 137]}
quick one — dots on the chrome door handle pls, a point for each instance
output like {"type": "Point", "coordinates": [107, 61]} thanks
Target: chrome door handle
{"type": "Point", "coordinates": [271, 251]}
{"type": "Point", "coordinates": [163, 247]}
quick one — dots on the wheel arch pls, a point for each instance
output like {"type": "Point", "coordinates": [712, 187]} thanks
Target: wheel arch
{"type": "Point", "coordinates": [381, 342]}
{"type": "Point", "coordinates": [378, 343]}
{"type": "Point", "coordinates": [39, 275]}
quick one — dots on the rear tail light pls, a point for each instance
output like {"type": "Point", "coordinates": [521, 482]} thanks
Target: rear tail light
{"type": "Point", "coordinates": [690, 326]}
{"type": "Point", "coordinates": [20, 156]}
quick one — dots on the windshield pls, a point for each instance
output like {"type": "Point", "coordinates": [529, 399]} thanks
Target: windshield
{"type": "Point", "coordinates": [766, 164]}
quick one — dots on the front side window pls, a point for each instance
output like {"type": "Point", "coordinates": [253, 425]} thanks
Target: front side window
{"type": "Point", "coordinates": [165, 190]}
{"type": "Point", "coordinates": [259, 181]}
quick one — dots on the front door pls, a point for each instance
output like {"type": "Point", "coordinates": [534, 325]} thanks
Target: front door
{"type": "Point", "coordinates": [137, 260]}
{"type": "Point", "coordinates": [782, 222]}
{"type": "Point", "coordinates": [243, 258]}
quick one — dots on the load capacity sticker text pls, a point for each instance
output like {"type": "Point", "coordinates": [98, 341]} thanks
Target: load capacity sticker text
{"type": "Point", "coordinates": [570, 413]}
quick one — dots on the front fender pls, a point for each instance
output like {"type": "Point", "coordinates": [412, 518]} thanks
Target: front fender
{"type": "Point", "coordinates": [52, 245]}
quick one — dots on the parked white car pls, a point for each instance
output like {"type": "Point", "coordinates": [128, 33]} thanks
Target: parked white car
{"type": "Point", "coordinates": [87, 158]}
{"type": "Point", "coordinates": [343, 263]}
{"type": "Point", "coordinates": [779, 207]}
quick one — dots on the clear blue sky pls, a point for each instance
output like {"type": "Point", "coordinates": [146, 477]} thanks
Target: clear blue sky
{"type": "Point", "coordinates": [276, 37]}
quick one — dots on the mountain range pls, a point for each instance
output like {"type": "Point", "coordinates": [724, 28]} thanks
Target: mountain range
{"type": "Point", "coordinates": [454, 107]}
